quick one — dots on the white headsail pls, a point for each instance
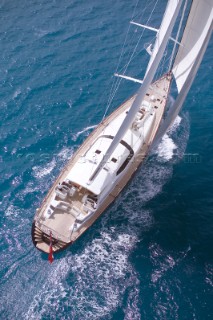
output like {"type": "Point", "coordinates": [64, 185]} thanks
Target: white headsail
{"type": "Point", "coordinates": [194, 42]}
{"type": "Point", "coordinates": [164, 34]}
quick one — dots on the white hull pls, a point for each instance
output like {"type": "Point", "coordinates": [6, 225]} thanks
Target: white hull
{"type": "Point", "coordinates": [75, 201]}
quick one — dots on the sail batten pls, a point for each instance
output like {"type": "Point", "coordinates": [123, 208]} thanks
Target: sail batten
{"type": "Point", "coordinates": [197, 26]}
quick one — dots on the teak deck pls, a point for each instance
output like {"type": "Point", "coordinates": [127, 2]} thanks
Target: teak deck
{"type": "Point", "coordinates": [62, 221]}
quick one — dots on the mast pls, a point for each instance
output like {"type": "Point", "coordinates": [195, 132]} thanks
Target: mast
{"type": "Point", "coordinates": [163, 36]}
{"type": "Point", "coordinates": [168, 15]}
{"type": "Point", "coordinates": [194, 42]}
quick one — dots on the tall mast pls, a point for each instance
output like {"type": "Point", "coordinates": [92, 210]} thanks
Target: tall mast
{"type": "Point", "coordinates": [163, 36]}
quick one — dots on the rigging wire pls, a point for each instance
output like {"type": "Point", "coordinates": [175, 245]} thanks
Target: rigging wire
{"type": "Point", "coordinates": [116, 80]}
{"type": "Point", "coordinates": [132, 55]}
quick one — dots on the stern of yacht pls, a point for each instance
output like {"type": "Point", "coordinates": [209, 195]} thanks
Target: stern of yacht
{"type": "Point", "coordinates": [69, 208]}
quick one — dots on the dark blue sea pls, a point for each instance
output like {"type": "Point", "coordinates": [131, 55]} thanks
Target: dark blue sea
{"type": "Point", "coordinates": [150, 254]}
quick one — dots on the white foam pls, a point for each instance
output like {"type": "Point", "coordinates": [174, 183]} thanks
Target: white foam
{"type": "Point", "coordinates": [12, 211]}
{"type": "Point", "coordinates": [41, 32]}
{"type": "Point", "coordinates": [98, 279]}
{"type": "Point", "coordinates": [209, 274]}
{"type": "Point", "coordinates": [132, 311]}
{"type": "Point", "coordinates": [65, 154]}
{"type": "Point", "coordinates": [16, 181]}
{"type": "Point", "coordinates": [102, 273]}
{"type": "Point", "coordinates": [175, 124]}
{"type": "Point", "coordinates": [62, 156]}
{"type": "Point", "coordinates": [147, 184]}
{"type": "Point", "coordinates": [163, 261]}
{"type": "Point", "coordinates": [40, 172]}
{"type": "Point", "coordinates": [17, 93]}
{"type": "Point", "coordinates": [30, 188]}
{"type": "Point", "coordinates": [76, 135]}
{"type": "Point", "coordinates": [69, 103]}
{"type": "Point", "coordinates": [166, 148]}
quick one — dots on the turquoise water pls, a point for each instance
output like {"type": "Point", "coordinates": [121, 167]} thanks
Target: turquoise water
{"type": "Point", "coordinates": [150, 255]}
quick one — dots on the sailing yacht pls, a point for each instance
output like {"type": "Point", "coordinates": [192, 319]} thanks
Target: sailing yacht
{"type": "Point", "coordinates": [112, 153]}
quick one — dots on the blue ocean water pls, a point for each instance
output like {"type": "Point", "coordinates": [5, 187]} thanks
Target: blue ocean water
{"type": "Point", "coordinates": [150, 255]}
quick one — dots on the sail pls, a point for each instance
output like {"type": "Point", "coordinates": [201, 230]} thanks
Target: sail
{"type": "Point", "coordinates": [174, 7]}
{"type": "Point", "coordinates": [197, 26]}
{"type": "Point", "coordinates": [163, 29]}
{"type": "Point", "coordinates": [175, 109]}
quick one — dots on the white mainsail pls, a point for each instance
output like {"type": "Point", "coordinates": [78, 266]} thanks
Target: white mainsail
{"type": "Point", "coordinates": [198, 24]}
{"type": "Point", "coordinates": [164, 34]}
{"type": "Point", "coordinates": [163, 29]}
{"type": "Point", "coordinates": [194, 42]}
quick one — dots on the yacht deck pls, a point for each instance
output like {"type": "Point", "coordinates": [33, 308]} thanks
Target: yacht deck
{"type": "Point", "coordinates": [60, 223]}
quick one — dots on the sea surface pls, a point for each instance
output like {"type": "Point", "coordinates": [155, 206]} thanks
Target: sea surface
{"type": "Point", "coordinates": [150, 254]}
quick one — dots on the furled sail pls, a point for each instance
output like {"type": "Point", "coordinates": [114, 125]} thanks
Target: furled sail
{"type": "Point", "coordinates": [165, 31]}
{"type": "Point", "coordinates": [197, 26]}
{"type": "Point", "coordinates": [185, 70]}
